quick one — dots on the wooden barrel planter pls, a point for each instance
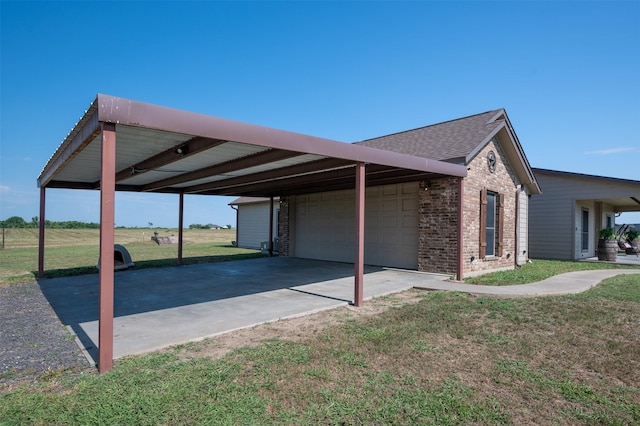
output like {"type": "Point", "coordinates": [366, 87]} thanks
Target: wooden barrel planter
{"type": "Point", "coordinates": [607, 250]}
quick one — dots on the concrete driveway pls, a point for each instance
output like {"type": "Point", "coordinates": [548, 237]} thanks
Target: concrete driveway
{"type": "Point", "coordinates": [156, 308]}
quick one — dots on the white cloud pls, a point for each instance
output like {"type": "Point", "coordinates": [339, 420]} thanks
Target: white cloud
{"type": "Point", "coordinates": [612, 151]}
{"type": "Point", "coordinates": [4, 189]}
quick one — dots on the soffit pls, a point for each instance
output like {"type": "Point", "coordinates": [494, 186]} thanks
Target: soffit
{"type": "Point", "coordinates": [165, 150]}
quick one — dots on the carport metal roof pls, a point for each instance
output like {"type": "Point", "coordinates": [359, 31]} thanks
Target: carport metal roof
{"type": "Point", "coordinates": [166, 150]}
{"type": "Point", "coordinates": [125, 145]}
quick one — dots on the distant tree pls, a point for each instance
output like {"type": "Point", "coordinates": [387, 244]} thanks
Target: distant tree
{"type": "Point", "coordinates": [35, 222]}
{"type": "Point", "coordinates": [14, 222]}
{"type": "Point", "coordinates": [195, 226]}
{"type": "Point", "coordinates": [228, 226]}
{"type": "Point", "coordinates": [150, 224]}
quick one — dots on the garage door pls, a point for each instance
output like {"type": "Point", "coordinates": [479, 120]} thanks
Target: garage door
{"type": "Point", "coordinates": [325, 226]}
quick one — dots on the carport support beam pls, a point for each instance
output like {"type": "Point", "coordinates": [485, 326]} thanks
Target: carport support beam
{"type": "Point", "coordinates": [41, 234]}
{"type": "Point", "coordinates": [107, 224]}
{"type": "Point", "coordinates": [460, 266]}
{"type": "Point", "coordinates": [270, 226]}
{"type": "Point", "coordinates": [180, 226]}
{"type": "Point", "coordinates": [359, 261]}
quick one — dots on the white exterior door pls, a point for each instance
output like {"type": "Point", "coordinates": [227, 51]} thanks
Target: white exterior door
{"type": "Point", "coordinates": [325, 226]}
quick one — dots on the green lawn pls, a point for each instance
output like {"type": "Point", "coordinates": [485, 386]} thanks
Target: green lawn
{"type": "Point", "coordinates": [76, 251]}
{"type": "Point", "coordinates": [448, 359]}
{"type": "Point", "coordinates": [539, 270]}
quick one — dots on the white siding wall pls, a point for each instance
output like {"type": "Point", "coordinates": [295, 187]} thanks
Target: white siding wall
{"type": "Point", "coordinates": [253, 224]}
{"type": "Point", "coordinates": [555, 216]}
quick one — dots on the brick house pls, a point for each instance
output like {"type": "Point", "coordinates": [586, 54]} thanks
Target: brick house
{"type": "Point", "coordinates": [415, 225]}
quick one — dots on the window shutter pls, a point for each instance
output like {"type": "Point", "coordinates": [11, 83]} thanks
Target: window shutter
{"type": "Point", "coordinates": [500, 234]}
{"type": "Point", "coordinates": [483, 223]}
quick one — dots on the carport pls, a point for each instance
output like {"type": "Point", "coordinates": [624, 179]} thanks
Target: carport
{"type": "Point", "coordinates": [166, 150]}
{"type": "Point", "coordinates": [214, 298]}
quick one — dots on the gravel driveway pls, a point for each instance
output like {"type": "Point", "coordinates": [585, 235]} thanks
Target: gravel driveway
{"type": "Point", "coordinates": [32, 338]}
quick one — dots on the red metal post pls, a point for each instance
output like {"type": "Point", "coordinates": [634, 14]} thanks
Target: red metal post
{"type": "Point", "coordinates": [180, 227]}
{"type": "Point", "coordinates": [359, 261]}
{"type": "Point", "coordinates": [41, 234]}
{"type": "Point", "coordinates": [107, 224]}
{"type": "Point", "coordinates": [459, 274]}
{"type": "Point", "coordinates": [270, 226]}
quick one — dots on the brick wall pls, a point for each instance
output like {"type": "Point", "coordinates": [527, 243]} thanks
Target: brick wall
{"type": "Point", "coordinates": [502, 181]}
{"type": "Point", "coordinates": [438, 226]}
{"type": "Point", "coordinates": [283, 227]}
{"type": "Point", "coordinates": [438, 218]}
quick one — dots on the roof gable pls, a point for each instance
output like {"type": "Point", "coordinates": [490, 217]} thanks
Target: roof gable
{"type": "Point", "coordinates": [452, 140]}
{"type": "Point", "coordinates": [459, 141]}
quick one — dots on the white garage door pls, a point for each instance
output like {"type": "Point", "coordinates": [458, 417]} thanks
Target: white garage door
{"type": "Point", "coordinates": [325, 226]}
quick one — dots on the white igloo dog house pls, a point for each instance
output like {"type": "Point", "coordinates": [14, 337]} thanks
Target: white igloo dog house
{"type": "Point", "coordinates": [121, 258]}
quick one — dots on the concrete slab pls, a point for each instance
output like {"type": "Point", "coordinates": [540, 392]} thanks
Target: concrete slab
{"type": "Point", "coordinates": [156, 308]}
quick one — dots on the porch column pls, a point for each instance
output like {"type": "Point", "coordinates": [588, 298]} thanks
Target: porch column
{"type": "Point", "coordinates": [180, 226]}
{"type": "Point", "coordinates": [460, 266]}
{"type": "Point", "coordinates": [597, 224]}
{"type": "Point", "coordinates": [107, 224]}
{"type": "Point", "coordinates": [359, 260]}
{"type": "Point", "coordinates": [270, 226]}
{"type": "Point", "coordinates": [41, 234]}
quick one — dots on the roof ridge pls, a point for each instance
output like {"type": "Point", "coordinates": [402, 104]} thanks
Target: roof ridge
{"type": "Point", "coordinates": [431, 125]}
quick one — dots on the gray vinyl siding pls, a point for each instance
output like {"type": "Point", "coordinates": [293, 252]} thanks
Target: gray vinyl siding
{"type": "Point", "coordinates": [253, 224]}
{"type": "Point", "coordinates": [555, 216]}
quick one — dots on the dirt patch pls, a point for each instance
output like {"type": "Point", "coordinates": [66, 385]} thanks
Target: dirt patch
{"type": "Point", "coordinates": [294, 329]}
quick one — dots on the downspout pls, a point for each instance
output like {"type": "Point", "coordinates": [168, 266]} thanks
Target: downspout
{"type": "Point", "coordinates": [517, 230]}
{"type": "Point", "coordinates": [460, 268]}
{"type": "Point", "coordinates": [237, 224]}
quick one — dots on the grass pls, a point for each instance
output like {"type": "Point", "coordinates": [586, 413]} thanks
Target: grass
{"type": "Point", "coordinates": [448, 359]}
{"type": "Point", "coordinates": [539, 270]}
{"type": "Point", "coordinates": [76, 251]}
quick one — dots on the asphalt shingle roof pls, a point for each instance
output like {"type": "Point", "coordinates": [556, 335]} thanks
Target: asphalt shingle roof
{"type": "Point", "coordinates": [451, 140]}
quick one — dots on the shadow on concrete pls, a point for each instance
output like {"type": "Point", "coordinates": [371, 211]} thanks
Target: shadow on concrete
{"type": "Point", "coordinates": [146, 264]}
{"type": "Point", "coordinates": [75, 299]}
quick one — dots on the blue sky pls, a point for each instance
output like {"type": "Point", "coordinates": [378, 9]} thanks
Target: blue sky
{"type": "Point", "coordinates": [568, 74]}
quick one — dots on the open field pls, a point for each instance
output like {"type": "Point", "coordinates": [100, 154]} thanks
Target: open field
{"type": "Point", "coordinates": [412, 358]}
{"type": "Point", "coordinates": [76, 251]}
